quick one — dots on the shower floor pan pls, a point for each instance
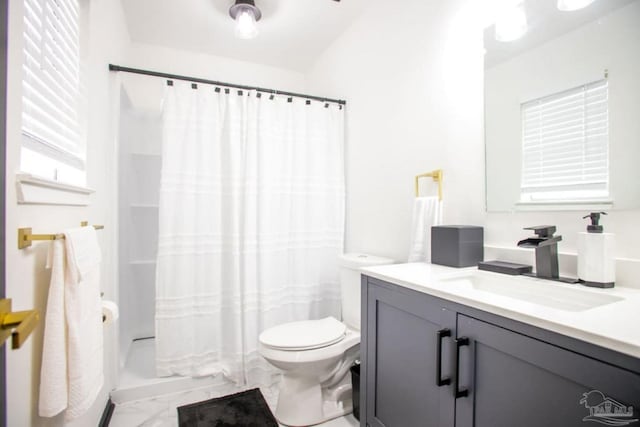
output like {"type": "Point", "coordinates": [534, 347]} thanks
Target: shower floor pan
{"type": "Point", "coordinates": [138, 378]}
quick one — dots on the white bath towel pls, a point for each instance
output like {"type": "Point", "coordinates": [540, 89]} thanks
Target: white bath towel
{"type": "Point", "coordinates": [427, 212]}
{"type": "Point", "coordinates": [72, 368]}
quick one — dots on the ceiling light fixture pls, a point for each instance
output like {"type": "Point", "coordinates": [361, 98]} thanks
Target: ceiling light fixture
{"type": "Point", "coordinates": [511, 23]}
{"type": "Point", "coordinates": [569, 5]}
{"type": "Point", "coordinates": [246, 14]}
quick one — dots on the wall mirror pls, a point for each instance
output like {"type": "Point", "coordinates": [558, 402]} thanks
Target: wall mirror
{"type": "Point", "coordinates": [562, 107]}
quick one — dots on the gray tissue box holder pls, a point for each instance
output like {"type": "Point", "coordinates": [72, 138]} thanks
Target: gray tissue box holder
{"type": "Point", "coordinates": [457, 245]}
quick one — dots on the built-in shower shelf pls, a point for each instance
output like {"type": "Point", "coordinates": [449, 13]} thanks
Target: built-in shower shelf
{"type": "Point", "coordinates": [158, 155]}
{"type": "Point", "coordinates": [142, 262]}
{"type": "Point", "coordinates": [144, 206]}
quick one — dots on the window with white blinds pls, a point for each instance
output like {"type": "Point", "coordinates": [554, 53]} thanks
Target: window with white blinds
{"type": "Point", "coordinates": [565, 146]}
{"type": "Point", "coordinates": [53, 145]}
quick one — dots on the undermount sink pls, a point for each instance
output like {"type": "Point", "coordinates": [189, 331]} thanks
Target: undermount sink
{"type": "Point", "coordinates": [550, 294]}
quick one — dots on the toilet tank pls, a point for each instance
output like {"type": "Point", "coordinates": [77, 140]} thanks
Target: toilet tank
{"type": "Point", "coordinates": [350, 265]}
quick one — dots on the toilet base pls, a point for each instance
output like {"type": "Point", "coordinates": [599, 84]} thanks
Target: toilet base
{"type": "Point", "coordinates": [316, 384]}
{"type": "Point", "coordinates": [304, 402]}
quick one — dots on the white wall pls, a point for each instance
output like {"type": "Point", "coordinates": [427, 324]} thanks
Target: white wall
{"type": "Point", "coordinates": [412, 77]}
{"type": "Point", "coordinates": [27, 279]}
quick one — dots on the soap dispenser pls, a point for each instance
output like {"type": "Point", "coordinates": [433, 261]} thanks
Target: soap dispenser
{"type": "Point", "coordinates": [596, 255]}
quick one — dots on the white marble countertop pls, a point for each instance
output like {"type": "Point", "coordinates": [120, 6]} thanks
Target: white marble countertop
{"type": "Point", "coordinates": [615, 325]}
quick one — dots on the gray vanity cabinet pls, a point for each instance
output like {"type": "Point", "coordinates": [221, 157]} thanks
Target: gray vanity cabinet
{"type": "Point", "coordinates": [502, 373]}
{"type": "Point", "coordinates": [404, 330]}
{"type": "Point", "coordinates": [514, 380]}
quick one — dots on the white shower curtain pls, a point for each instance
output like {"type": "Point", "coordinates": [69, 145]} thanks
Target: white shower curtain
{"type": "Point", "coordinates": [251, 226]}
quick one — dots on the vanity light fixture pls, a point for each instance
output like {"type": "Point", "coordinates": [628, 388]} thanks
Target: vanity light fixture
{"type": "Point", "coordinates": [511, 23]}
{"type": "Point", "coordinates": [570, 5]}
{"type": "Point", "coordinates": [246, 14]}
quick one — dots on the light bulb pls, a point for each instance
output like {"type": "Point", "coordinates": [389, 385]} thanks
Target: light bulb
{"type": "Point", "coordinates": [511, 23]}
{"type": "Point", "coordinates": [569, 5]}
{"type": "Point", "coordinates": [246, 24]}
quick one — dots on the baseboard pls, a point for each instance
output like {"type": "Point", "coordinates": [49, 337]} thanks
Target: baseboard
{"type": "Point", "coordinates": [106, 415]}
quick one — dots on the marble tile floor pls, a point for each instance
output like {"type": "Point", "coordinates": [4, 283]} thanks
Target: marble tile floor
{"type": "Point", "coordinates": [162, 411]}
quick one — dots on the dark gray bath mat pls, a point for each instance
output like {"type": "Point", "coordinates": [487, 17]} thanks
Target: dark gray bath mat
{"type": "Point", "coordinates": [244, 409]}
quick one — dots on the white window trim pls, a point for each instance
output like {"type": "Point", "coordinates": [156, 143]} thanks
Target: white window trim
{"type": "Point", "coordinates": [36, 190]}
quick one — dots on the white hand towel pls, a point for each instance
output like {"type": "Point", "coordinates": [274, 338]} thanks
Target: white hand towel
{"type": "Point", "coordinates": [80, 358]}
{"type": "Point", "coordinates": [427, 212]}
{"type": "Point", "coordinates": [53, 376]}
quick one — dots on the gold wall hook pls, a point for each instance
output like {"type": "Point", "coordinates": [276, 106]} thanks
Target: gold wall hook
{"type": "Point", "coordinates": [19, 325]}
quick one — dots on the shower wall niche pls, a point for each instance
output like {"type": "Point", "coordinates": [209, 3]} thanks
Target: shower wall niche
{"type": "Point", "coordinates": [139, 184]}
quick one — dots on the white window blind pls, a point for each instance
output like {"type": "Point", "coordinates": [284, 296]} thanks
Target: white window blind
{"type": "Point", "coordinates": [53, 144]}
{"type": "Point", "coordinates": [565, 145]}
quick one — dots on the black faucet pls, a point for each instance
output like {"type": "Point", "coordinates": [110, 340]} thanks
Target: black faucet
{"type": "Point", "coordinates": [546, 246]}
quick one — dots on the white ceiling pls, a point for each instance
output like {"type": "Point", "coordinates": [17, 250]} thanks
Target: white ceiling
{"type": "Point", "coordinates": [293, 33]}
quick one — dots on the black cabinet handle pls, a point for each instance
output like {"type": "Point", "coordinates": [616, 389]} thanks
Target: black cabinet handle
{"type": "Point", "coordinates": [442, 333]}
{"type": "Point", "coordinates": [460, 342]}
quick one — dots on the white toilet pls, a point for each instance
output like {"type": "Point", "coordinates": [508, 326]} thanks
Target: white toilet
{"type": "Point", "coordinates": [315, 355]}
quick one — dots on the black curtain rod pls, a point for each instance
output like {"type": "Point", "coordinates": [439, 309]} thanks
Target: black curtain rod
{"type": "Point", "coordinates": [113, 67]}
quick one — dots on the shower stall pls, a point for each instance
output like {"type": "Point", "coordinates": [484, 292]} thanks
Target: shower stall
{"type": "Point", "coordinates": [244, 217]}
{"type": "Point", "coordinates": [140, 160]}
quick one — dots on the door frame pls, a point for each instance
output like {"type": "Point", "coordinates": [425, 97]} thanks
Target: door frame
{"type": "Point", "coordinates": [4, 30]}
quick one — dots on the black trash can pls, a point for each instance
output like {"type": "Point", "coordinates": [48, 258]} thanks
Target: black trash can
{"type": "Point", "coordinates": [355, 383]}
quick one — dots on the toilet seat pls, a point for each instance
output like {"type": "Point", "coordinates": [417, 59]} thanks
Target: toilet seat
{"type": "Point", "coordinates": [304, 335]}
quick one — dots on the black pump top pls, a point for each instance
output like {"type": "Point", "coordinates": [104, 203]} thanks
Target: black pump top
{"type": "Point", "coordinates": [594, 227]}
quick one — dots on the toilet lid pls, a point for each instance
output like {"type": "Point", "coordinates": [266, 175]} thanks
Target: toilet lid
{"type": "Point", "coordinates": [305, 335]}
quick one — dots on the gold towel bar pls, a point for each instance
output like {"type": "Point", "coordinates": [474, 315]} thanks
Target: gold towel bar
{"type": "Point", "coordinates": [437, 177]}
{"type": "Point", "coordinates": [25, 237]}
